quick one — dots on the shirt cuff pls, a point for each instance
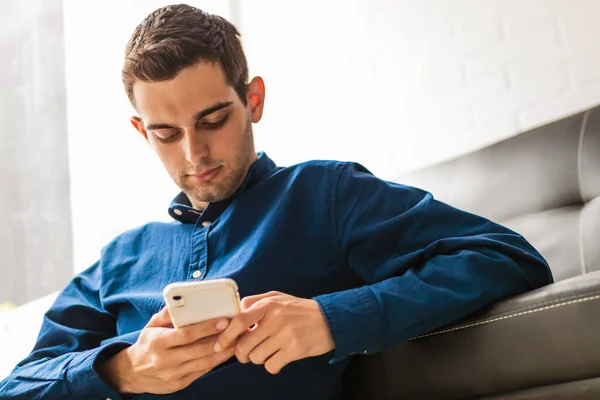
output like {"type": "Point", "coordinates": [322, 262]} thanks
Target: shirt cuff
{"type": "Point", "coordinates": [83, 379]}
{"type": "Point", "coordinates": [355, 321]}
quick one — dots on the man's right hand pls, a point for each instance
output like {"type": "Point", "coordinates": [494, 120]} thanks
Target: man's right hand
{"type": "Point", "coordinates": [166, 359]}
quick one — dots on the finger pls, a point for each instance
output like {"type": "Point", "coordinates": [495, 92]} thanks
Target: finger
{"type": "Point", "coordinates": [264, 350]}
{"type": "Point", "coordinates": [238, 325]}
{"type": "Point", "coordinates": [249, 341]}
{"type": "Point", "coordinates": [277, 361]}
{"type": "Point", "coordinates": [206, 364]}
{"type": "Point", "coordinates": [192, 333]}
{"type": "Point", "coordinates": [160, 319]}
{"type": "Point", "coordinates": [249, 301]}
{"type": "Point", "coordinates": [199, 349]}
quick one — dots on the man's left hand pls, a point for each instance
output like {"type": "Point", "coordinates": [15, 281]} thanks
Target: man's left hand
{"type": "Point", "coordinates": [283, 329]}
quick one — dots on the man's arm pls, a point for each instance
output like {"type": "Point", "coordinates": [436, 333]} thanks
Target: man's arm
{"type": "Point", "coordinates": [78, 356]}
{"type": "Point", "coordinates": [425, 264]}
{"type": "Point", "coordinates": [62, 363]}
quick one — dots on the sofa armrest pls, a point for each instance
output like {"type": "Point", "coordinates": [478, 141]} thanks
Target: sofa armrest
{"type": "Point", "coordinates": [542, 337]}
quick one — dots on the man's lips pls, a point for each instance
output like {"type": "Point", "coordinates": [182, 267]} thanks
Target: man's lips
{"type": "Point", "coordinates": [204, 176]}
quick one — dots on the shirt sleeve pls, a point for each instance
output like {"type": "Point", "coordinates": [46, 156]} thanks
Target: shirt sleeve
{"type": "Point", "coordinates": [69, 347]}
{"type": "Point", "coordinates": [424, 264]}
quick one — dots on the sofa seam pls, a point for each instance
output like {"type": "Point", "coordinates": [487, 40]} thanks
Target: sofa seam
{"type": "Point", "coordinates": [582, 130]}
{"type": "Point", "coordinates": [521, 216]}
{"type": "Point", "coordinates": [580, 240]}
{"type": "Point", "coordinates": [562, 303]}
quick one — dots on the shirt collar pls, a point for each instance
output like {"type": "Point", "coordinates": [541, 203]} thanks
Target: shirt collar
{"type": "Point", "coordinates": [181, 208]}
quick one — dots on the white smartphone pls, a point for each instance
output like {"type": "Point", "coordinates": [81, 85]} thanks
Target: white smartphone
{"type": "Point", "coordinates": [193, 302]}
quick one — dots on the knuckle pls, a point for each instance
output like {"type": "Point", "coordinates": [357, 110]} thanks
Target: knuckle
{"type": "Point", "coordinates": [237, 327]}
{"type": "Point", "coordinates": [145, 347]}
{"type": "Point", "coordinates": [185, 335]}
{"type": "Point", "coordinates": [270, 302]}
{"type": "Point", "coordinates": [157, 362]}
{"type": "Point", "coordinates": [294, 340]}
{"type": "Point", "coordinates": [151, 341]}
{"type": "Point", "coordinates": [245, 301]}
{"type": "Point", "coordinates": [263, 303]}
{"type": "Point", "coordinates": [242, 322]}
{"type": "Point", "coordinates": [276, 311]}
{"type": "Point", "coordinates": [241, 348]}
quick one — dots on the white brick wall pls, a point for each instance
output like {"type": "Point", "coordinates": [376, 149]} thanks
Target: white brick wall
{"type": "Point", "coordinates": [432, 79]}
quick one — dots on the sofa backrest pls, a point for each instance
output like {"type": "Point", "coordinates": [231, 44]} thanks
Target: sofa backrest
{"type": "Point", "coordinates": [544, 184]}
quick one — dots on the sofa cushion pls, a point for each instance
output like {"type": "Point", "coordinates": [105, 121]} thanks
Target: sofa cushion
{"type": "Point", "coordinates": [540, 338]}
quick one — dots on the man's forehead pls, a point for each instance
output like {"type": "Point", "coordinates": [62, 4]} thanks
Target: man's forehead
{"type": "Point", "coordinates": [192, 90]}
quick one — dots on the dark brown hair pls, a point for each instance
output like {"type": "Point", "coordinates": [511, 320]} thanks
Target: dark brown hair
{"type": "Point", "coordinates": [176, 37]}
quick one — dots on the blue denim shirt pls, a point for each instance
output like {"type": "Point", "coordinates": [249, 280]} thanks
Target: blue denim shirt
{"type": "Point", "coordinates": [384, 261]}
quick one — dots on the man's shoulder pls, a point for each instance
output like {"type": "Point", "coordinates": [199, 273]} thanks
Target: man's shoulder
{"type": "Point", "coordinates": [315, 167]}
{"type": "Point", "coordinates": [322, 169]}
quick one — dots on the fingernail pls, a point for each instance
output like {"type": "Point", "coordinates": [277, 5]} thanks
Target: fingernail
{"type": "Point", "coordinates": [217, 348]}
{"type": "Point", "coordinates": [222, 324]}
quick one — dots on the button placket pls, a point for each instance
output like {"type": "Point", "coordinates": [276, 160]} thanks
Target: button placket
{"type": "Point", "coordinates": [198, 252]}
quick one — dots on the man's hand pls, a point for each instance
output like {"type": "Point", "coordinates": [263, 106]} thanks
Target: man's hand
{"type": "Point", "coordinates": [166, 359]}
{"type": "Point", "coordinates": [285, 329]}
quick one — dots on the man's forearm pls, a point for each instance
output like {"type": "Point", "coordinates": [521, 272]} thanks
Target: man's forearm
{"type": "Point", "coordinates": [71, 374]}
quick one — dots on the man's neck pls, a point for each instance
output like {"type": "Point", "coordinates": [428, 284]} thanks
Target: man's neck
{"type": "Point", "coordinates": [199, 205]}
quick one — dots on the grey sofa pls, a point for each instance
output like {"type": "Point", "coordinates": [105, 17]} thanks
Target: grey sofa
{"type": "Point", "coordinates": [545, 344]}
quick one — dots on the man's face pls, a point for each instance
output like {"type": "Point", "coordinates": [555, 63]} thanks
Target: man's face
{"type": "Point", "coordinates": [200, 130]}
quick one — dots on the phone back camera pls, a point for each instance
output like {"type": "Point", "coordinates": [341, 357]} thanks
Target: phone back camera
{"type": "Point", "coordinates": [178, 301]}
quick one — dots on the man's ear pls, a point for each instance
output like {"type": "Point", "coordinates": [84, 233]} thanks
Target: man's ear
{"type": "Point", "coordinates": [256, 98]}
{"type": "Point", "coordinates": [139, 126]}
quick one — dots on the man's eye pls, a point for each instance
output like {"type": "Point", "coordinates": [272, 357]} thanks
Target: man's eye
{"type": "Point", "coordinates": [168, 138]}
{"type": "Point", "coordinates": [215, 125]}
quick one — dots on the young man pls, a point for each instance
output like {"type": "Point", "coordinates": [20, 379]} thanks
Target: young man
{"type": "Point", "coordinates": [330, 260]}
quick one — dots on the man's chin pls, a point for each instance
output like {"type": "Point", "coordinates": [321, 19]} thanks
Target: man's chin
{"type": "Point", "coordinates": [207, 196]}
{"type": "Point", "coordinates": [211, 192]}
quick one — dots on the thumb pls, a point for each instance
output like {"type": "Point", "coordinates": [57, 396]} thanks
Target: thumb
{"type": "Point", "coordinates": [249, 301]}
{"type": "Point", "coordinates": [161, 319]}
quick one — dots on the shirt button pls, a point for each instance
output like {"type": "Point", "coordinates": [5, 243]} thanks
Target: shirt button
{"type": "Point", "coordinates": [196, 274]}
{"type": "Point", "coordinates": [206, 223]}
{"type": "Point", "coordinates": [177, 211]}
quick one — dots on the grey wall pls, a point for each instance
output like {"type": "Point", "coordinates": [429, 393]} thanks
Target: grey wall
{"type": "Point", "coordinates": [35, 220]}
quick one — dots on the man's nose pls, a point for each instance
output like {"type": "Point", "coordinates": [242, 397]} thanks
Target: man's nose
{"type": "Point", "coordinates": [195, 148]}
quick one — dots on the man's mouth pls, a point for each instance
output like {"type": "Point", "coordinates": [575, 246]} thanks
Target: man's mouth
{"type": "Point", "coordinates": [205, 176]}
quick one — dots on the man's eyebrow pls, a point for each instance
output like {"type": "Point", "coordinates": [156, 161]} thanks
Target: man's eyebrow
{"type": "Point", "coordinates": [211, 110]}
{"type": "Point", "coordinates": [199, 115]}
